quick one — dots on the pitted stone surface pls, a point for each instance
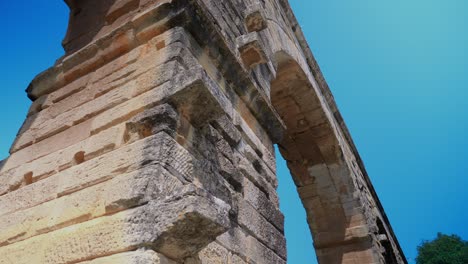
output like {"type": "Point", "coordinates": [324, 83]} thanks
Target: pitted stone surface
{"type": "Point", "coordinates": [153, 141]}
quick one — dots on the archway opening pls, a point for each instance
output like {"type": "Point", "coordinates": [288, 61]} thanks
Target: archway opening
{"type": "Point", "coordinates": [314, 157]}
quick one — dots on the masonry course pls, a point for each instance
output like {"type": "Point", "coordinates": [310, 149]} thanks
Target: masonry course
{"type": "Point", "coordinates": [152, 140]}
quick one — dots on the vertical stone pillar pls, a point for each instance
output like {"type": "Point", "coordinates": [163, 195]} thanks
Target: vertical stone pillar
{"type": "Point", "coordinates": [137, 150]}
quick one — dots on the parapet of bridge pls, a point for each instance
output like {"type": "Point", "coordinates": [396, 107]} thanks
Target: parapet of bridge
{"type": "Point", "coordinates": [152, 141]}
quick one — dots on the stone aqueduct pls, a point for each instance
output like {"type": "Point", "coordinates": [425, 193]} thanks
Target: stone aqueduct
{"type": "Point", "coordinates": [152, 141]}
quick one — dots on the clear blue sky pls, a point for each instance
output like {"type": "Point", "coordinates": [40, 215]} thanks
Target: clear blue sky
{"type": "Point", "coordinates": [399, 73]}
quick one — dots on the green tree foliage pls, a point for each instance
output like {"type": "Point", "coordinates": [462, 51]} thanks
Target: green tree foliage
{"type": "Point", "coordinates": [443, 250]}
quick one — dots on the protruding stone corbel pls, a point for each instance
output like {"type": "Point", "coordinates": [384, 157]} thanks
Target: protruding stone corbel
{"type": "Point", "coordinates": [252, 50]}
{"type": "Point", "coordinates": [199, 101]}
{"type": "Point", "coordinates": [254, 18]}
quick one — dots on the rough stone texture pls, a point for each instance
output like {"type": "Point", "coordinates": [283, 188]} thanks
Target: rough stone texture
{"type": "Point", "coordinates": [141, 256]}
{"type": "Point", "coordinates": [152, 141]}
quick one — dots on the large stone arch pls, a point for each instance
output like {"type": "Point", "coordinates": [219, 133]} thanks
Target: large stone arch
{"type": "Point", "coordinates": [315, 157]}
{"type": "Point", "coordinates": [152, 139]}
{"type": "Point", "coordinates": [341, 204]}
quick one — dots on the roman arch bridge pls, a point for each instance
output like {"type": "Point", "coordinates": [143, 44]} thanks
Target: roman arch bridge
{"type": "Point", "coordinates": [152, 141]}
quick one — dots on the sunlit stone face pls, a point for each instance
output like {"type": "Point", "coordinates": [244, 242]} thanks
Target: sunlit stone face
{"type": "Point", "coordinates": [152, 141]}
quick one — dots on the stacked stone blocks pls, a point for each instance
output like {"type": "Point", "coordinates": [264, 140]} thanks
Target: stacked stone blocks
{"type": "Point", "coordinates": [152, 141]}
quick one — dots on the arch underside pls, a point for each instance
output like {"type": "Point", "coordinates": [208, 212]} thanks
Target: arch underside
{"type": "Point", "coordinates": [316, 156]}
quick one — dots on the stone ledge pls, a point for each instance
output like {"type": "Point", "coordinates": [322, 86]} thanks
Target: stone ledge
{"type": "Point", "coordinates": [156, 149]}
{"type": "Point", "coordinates": [123, 192]}
{"type": "Point", "coordinates": [101, 51]}
{"type": "Point", "coordinates": [192, 219]}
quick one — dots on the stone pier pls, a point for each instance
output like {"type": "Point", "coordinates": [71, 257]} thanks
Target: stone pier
{"type": "Point", "coordinates": [152, 141]}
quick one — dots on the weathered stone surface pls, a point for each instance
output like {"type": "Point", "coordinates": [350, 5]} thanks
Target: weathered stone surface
{"type": "Point", "coordinates": [136, 257]}
{"type": "Point", "coordinates": [122, 192]}
{"type": "Point", "coordinates": [252, 51]}
{"type": "Point", "coordinates": [190, 221]}
{"type": "Point", "coordinates": [12, 178]}
{"type": "Point", "coordinates": [234, 259]}
{"type": "Point", "coordinates": [54, 143]}
{"type": "Point", "coordinates": [230, 132]}
{"type": "Point", "coordinates": [181, 90]}
{"type": "Point", "coordinates": [255, 19]}
{"type": "Point", "coordinates": [40, 129]}
{"type": "Point", "coordinates": [251, 220]}
{"type": "Point", "coordinates": [248, 247]}
{"type": "Point", "coordinates": [213, 254]}
{"type": "Point", "coordinates": [248, 170]}
{"type": "Point", "coordinates": [263, 205]}
{"type": "Point", "coordinates": [152, 141]}
{"type": "Point", "coordinates": [152, 121]}
{"type": "Point", "coordinates": [58, 102]}
{"type": "Point", "coordinates": [157, 149]}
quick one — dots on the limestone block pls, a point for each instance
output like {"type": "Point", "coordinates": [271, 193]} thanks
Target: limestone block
{"type": "Point", "coordinates": [259, 163]}
{"type": "Point", "coordinates": [223, 147]}
{"type": "Point", "coordinates": [209, 179]}
{"type": "Point", "coordinates": [204, 217]}
{"type": "Point", "coordinates": [220, 155]}
{"type": "Point", "coordinates": [152, 121]}
{"type": "Point", "coordinates": [157, 149]}
{"type": "Point", "coordinates": [120, 68]}
{"type": "Point", "coordinates": [44, 125]}
{"type": "Point", "coordinates": [90, 57]}
{"type": "Point", "coordinates": [248, 247]}
{"type": "Point", "coordinates": [132, 107]}
{"type": "Point", "coordinates": [247, 169]}
{"type": "Point", "coordinates": [202, 101]}
{"type": "Point", "coordinates": [262, 204]}
{"type": "Point", "coordinates": [191, 220]}
{"type": "Point", "coordinates": [192, 92]}
{"type": "Point", "coordinates": [254, 141]}
{"type": "Point", "coordinates": [12, 178]}
{"type": "Point", "coordinates": [97, 54]}
{"type": "Point", "coordinates": [38, 130]}
{"type": "Point", "coordinates": [230, 132]}
{"type": "Point", "coordinates": [36, 106]}
{"type": "Point", "coordinates": [122, 192]}
{"type": "Point", "coordinates": [251, 49]}
{"type": "Point", "coordinates": [141, 256]}
{"type": "Point", "coordinates": [141, 59]}
{"type": "Point", "coordinates": [45, 82]}
{"type": "Point", "coordinates": [66, 91]}
{"type": "Point", "coordinates": [255, 18]}
{"type": "Point", "coordinates": [153, 21]}
{"type": "Point", "coordinates": [234, 259]}
{"type": "Point", "coordinates": [52, 144]}
{"type": "Point", "coordinates": [351, 253]}
{"type": "Point", "coordinates": [264, 231]}
{"type": "Point", "coordinates": [119, 8]}
{"type": "Point", "coordinates": [213, 254]}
